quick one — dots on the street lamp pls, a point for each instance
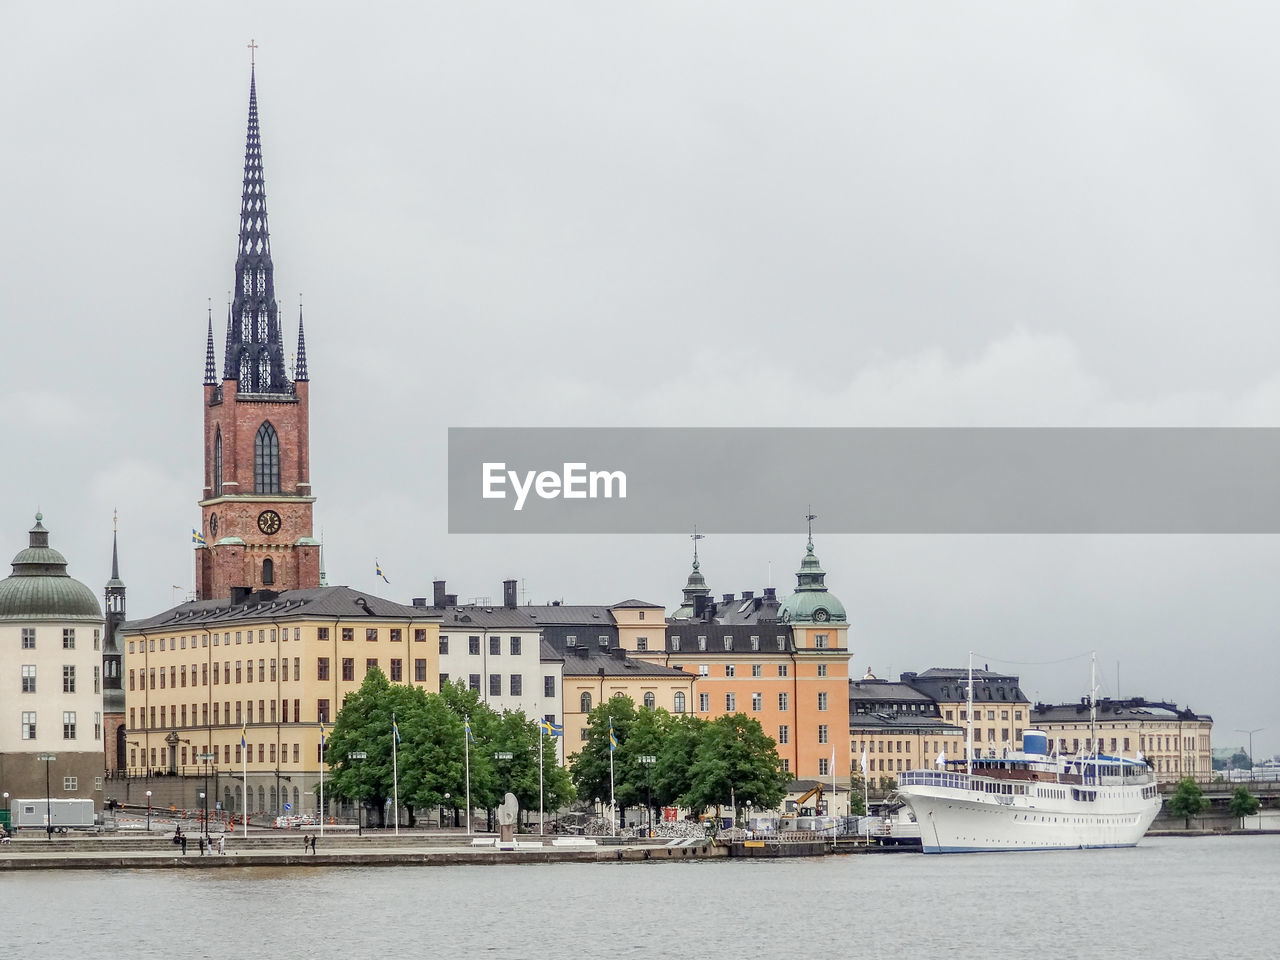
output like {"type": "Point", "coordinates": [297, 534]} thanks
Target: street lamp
{"type": "Point", "coordinates": [48, 800]}
{"type": "Point", "coordinates": [206, 757]}
{"type": "Point", "coordinates": [148, 812]}
{"type": "Point", "coordinates": [1251, 733]}
{"type": "Point", "coordinates": [359, 755]}
{"type": "Point", "coordinates": [647, 761]}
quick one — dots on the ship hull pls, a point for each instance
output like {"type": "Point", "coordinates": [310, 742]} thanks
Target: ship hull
{"type": "Point", "coordinates": [954, 821]}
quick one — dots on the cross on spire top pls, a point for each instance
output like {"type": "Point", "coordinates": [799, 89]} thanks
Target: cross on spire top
{"type": "Point", "coordinates": [253, 47]}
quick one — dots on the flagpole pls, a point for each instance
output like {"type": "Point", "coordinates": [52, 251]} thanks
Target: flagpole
{"type": "Point", "coordinates": [613, 803]}
{"type": "Point", "coordinates": [541, 814]}
{"type": "Point", "coordinates": [244, 740]}
{"type": "Point", "coordinates": [322, 780]}
{"type": "Point", "coordinates": [395, 772]}
{"type": "Point", "coordinates": [466, 746]}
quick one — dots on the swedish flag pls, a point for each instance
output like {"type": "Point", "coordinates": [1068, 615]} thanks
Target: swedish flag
{"type": "Point", "coordinates": [551, 728]}
{"type": "Point", "coordinates": [466, 726]}
{"type": "Point", "coordinates": [244, 735]}
{"type": "Point", "coordinates": [377, 567]}
{"type": "Point", "coordinates": [613, 737]}
{"type": "Point", "coordinates": [395, 729]}
{"type": "Point", "coordinates": [197, 537]}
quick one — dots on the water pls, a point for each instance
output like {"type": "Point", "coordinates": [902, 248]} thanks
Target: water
{"type": "Point", "coordinates": [1168, 898]}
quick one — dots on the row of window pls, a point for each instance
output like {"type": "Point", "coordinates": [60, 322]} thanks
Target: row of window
{"type": "Point", "coordinates": [68, 725]}
{"type": "Point", "coordinates": [68, 678]}
{"type": "Point", "coordinates": [68, 638]}
{"type": "Point", "coordinates": [371, 635]}
{"type": "Point", "coordinates": [266, 753]}
{"type": "Point", "coordinates": [495, 646]}
{"type": "Point", "coordinates": [515, 684]}
{"type": "Point", "coordinates": [757, 669]}
{"type": "Point", "coordinates": [991, 715]}
{"type": "Point", "coordinates": [177, 675]}
{"type": "Point", "coordinates": [753, 643]}
{"type": "Point", "coordinates": [199, 715]}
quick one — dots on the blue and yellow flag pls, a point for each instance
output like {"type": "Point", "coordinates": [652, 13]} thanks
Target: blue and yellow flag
{"type": "Point", "coordinates": [395, 728]}
{"type": "Point", "coordinates": [613, 737]}
{"type": "Point", "coordinates": [551, 728]}
{"type": "Point", "coordinates": [197, 536]}
{"type": "Point", "coordinates": [466, 726]}
{"type": "Point", "coordinates": [244, 735]}
{"type": "Point", "coordinates": [377, 567]}
{"type": "Point", "coordinates": [322, 736]}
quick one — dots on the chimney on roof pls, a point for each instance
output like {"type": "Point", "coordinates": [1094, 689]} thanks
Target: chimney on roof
{"type": "Point", "coordinates": [748, 594]}
{"type": "Point", "coordinates": [450, 600]}
{"type": "Point", "coordinates": [700, 606]}
{"type": "Point", "coordinates": [583, 651]}
{"type": "Point", "coordinates": [240, 594]}
{"type": "Point", "coordinates": [509, 594]}
{"type": "Point", "coordinates": [727, 598]}
{"type": "Point", "coordinates": [555, 603]}
{"type": "Point", "coordinates": [438, 596]}
{"type": "Point", "coordinates": [619, 653]}
{"type": "Point", "coordinates": [771, 593]}
{"type": "Point", "coordinates": [419, 601]}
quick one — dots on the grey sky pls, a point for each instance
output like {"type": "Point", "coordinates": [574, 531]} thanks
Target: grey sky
{"type": "Point", "coordinates": [663, 214]}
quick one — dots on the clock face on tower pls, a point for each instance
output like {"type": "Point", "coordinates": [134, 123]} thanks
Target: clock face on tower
{"type": "Point", "coordinates": [268, 522]}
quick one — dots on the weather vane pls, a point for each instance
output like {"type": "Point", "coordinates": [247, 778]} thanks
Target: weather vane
{"type": "Point", "coordinates": [696, 536]}
{"type": "Point", "coordinates": [810, 517]}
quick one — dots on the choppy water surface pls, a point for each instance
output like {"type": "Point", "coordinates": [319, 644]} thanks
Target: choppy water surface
{"type": "Point", "coordinates": [1169, 898]}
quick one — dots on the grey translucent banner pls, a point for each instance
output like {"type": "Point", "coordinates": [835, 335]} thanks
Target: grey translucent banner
{"type": "Point", "coordinates": [864, 480]}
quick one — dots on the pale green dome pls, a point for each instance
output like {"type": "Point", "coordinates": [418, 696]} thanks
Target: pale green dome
{"type": "Point", "coordinates": [41, 589]}
{"type": "Point", "coordinates": [812, 602]}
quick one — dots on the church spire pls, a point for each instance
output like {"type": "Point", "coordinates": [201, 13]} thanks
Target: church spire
{"type": "Point", "coordinates": [255, 355]}
{"type": "Point", "coordinates": [210, 368]}
{"type": "Point", "coordinates": [300, 372]}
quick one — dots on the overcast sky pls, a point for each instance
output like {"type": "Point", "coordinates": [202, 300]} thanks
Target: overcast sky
{"type": "Point", "coordinates": [659, 214]}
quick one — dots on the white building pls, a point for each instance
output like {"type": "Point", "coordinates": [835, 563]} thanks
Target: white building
{"type": "Point", "coordinates": [50, 678]}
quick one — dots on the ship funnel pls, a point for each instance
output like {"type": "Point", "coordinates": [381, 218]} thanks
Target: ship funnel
{"type": "Point", "coordinates": [1035, 743]}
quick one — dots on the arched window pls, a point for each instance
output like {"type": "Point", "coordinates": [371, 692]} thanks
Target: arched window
{"type": "Point", "coordinates": [586, 703]}
{"type": "Point", "coordinates": [262, 799]}
{"type": "Point", "coordinates": [295, 800]}
{"type": "Point", "coordinates": [268, 572]}
{"type": "Point", "coordinates": [217, 463]}
{"type": "Point", "coordinates": [679, 701]}
{"type": "Point", "coordinates": [246, 373]}
{"type": "Point", "coordinates": [266, 460]}
{"type": "Point", "coordinates": [649, 702]}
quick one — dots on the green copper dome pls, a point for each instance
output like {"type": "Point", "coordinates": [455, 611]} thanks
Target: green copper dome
{"type": "Point", "coordinates": [40, 589]}
{"type": "Point", "coordinates": [812, 602]}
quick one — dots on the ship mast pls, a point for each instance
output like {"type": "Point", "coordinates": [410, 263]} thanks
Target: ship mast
{"type": "Point", "coordinates": [969, 713]}
{"type": "Point", "coordinates": [1093, 703]}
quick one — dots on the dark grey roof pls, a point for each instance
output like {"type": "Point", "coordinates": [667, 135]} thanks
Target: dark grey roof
{"type": "Point", "coordinates": [637, 603]}
{"type": "Point", "coordinates": [586, 614]}
{"type": "Point", "coordinates": [948, 685]}
{"type": "Point", "coordinates": [886, 690]}
{"type": "Point", "coordinates": [804, 786]}
{"type": "Point", "coordinates": [767, 631]}
{"type": "Point", "coordinates": [588, 662]}
{"type": "Point", "coordinates": [548, 654]}
{"type": "Point", "coordinates": [286, 605]}
{"type": "Point", "coordinates": [482, 618]}
{"type": "Point", "coordinates": [1133, 708]}
{"type": "Point", "coordinates": [757, 609]}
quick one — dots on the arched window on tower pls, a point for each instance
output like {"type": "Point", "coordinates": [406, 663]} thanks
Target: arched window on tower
{"type": "Point", "coordinates": [246, 374]}
{"type": "Point", "coordinates": [268, 572]}
{"type": "Point", "coordinates": [264, 374]}
{"type": "Point", "coordinates": [266, 460]}
{"type": "Point", "coordinates": [217, 463]}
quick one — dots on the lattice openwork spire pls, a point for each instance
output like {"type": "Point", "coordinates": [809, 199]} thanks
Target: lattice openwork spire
{"type": "Point", "coordinates": [255, 355]}
{"type": "Point", "coordinates": [300, 372]}
{"type": "Point", "coordinates": [210, 370]}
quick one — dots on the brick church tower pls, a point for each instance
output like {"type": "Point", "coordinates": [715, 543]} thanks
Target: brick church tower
{"type": "Point", "coordinates": [256, 508]}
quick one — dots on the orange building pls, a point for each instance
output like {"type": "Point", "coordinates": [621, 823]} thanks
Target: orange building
{"type": "Point", "coordinates": [784, 663]}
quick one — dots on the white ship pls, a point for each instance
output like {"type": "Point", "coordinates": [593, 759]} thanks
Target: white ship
{"type": "Point", "coordinates": [1029, 800]}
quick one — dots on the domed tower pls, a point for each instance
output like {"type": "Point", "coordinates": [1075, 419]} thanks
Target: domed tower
{"type": "Point", "coordinates": [51, 672]}
{"type": "Point", "coordinates": [694, 588]}
{"type": "Point", "coordinates": [812, 602]}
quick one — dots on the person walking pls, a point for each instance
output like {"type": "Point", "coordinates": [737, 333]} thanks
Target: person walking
{"type": "Point", "coordinates": [222, 844]}
{"type": "Point", "coordinates": [306, 842]}
{"type": "Point", "coordinates": [313, 844]}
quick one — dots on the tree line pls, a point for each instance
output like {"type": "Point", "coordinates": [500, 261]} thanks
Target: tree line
{"type": "Point", "coordinates": [431, 757]}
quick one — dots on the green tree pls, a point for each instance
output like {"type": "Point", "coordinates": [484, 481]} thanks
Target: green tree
{"type": "Point", "coordinates": [735, 761]}
{"type": "Point", "coordinates": [517, 735]}
{"type": "Point", "coordinates": [1243, 804]}
{"type": "Point", "coordinates": [857, 807]}
{"type": "Point", "coordinates": [1187, 801]}
{"type": "Point", "coordinates": [672, 775]}
{"type": "Point", "coordinates": [363, 725]}
{"type": "Point", "coordinates": [590, 768]}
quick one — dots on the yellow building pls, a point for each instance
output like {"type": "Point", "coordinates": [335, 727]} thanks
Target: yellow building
{"type": "Point", "coordinates": [1000, 710]}
{"type": "Point", "coordinates": [897, 728]}
{"type": "Point", "coordinates": [593, 675]}
{"type": "Point", "coordinates": [1175, 741]}
{"type": "Point", "coordinates": [269, 666]}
